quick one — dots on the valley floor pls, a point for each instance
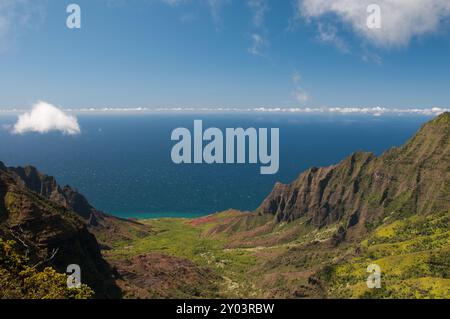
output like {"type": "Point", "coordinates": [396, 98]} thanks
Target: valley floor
{"type": "Point", "coordinates": [227, 255]}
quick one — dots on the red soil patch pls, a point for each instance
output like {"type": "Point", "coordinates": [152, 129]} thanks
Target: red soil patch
{"type": "Point", "coordinates": [202, 220]}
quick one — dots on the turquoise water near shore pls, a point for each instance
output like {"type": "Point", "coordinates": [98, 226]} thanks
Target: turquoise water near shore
{"type": "Point", "coordinates": [184, 215]}
{"type": "Point", "coordinates": [122, 162]}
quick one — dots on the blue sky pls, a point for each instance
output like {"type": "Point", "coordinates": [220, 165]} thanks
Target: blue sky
{"type": "Point", "coordinates": [224, 53]}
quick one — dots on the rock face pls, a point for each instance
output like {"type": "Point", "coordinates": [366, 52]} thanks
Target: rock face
{"type": "Point", "coordinates": [47, 187]}
{"type": "Point", "coordinates": [48, 233]}
{"type": "Point", "coordinates": [363, 188]}
{"type": "Point", "coordinates": [105, 227]}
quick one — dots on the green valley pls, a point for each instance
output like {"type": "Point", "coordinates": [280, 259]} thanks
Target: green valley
{"type": "Point", "coordinates": [313, 238]}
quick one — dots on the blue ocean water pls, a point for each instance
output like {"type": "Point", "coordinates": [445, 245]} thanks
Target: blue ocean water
{"type": "Point", "coordinates": [122, 162]}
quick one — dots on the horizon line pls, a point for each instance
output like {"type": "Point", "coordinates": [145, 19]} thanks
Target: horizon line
{"type": "Point", "coordinates": [375, 111]}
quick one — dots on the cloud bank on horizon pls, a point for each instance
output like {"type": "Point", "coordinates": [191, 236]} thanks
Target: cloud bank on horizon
{"type": "Point", "coordinates": [44, 118]}
{"type": "Point", "coordinates": [375, 111]}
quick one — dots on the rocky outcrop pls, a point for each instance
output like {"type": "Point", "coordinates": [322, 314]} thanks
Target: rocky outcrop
{"type": "Point", "coordinates": [105, 227]}
{"type": "Point", "coordinates": [47, 187]}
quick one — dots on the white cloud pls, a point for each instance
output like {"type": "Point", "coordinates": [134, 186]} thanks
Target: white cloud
{"type": "Point", "coordinates": [44, 118]}
{"type": "Point", "coordinates": [372, 57]}
{"type": "Point", "coordinates": [259, 9]}
{"type": "Point", "coordinates": [259, 41]}
{"type": "Point", "coordinates": [258, 44]}
{"type": "Point", "coordinates": [301, 95]}
{"type": "Point", "coordinates": [328, 34]}
{"type": "Point", "coordinates": [401, 20]}
{"type": "Point", "coordinates": [215, 7]}
{"type": "Point", "coordinates": [299, 92]}
{"type": "Point", "coordinates": [376, 111]}
{"type": "Point", "coordinates": [15, 15]}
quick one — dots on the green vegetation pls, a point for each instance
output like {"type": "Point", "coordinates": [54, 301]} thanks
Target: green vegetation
{"type": "Point", "coordinates": [414, 256]}
{"type": "Point", "coordinates": [313, 238]}
{"type": "Point", "coordinates": [177, 237]}
{"type": "Point", "coordinates": [19, 280]}
{"type": "Point", "coordinates": [294, 259]}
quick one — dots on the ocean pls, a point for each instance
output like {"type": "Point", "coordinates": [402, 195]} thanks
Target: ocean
{"type": "Point", "coordinates": [122, 164]}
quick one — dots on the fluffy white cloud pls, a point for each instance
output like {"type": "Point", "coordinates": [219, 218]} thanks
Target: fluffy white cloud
{"type": "Point", "coordinates": [44, 118]}
{"type": "Point", "coordinates": [401, 20]}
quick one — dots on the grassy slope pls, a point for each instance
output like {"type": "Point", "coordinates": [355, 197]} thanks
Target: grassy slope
{"type": "Point", "coordinates": [414, 255]}
{"type": "Point", "coordinates": [177, 237]}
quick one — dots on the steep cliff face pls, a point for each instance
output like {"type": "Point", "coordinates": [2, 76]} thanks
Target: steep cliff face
{"type": "Point", "coordinates": [47, 187]}
{"type": "Point", "coordinates": [359, 191]}
{"type": "Point", "coordinates": [107, 228]}
{"type": "Point", "coordinates": [51, 235]}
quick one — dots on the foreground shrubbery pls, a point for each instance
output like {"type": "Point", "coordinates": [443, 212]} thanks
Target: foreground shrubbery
{"type": "Point", "coordinates": [20, 281]}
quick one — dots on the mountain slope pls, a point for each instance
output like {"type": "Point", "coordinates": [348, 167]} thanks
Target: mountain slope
{"type": "Point", "coordinates": [358, 192]}
{"type": "Point", "coordinates": [312, 238]}
{"type": "Point", "coordinates": [51, 235]}
{"type": "Point", "coordinates": [105, 227]}
{"type": "Point", "coordinates": [316, 236]}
